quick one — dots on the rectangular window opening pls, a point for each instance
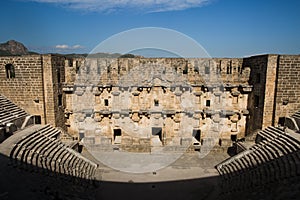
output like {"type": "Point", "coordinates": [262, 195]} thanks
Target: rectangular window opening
{"type": "Point", "coordinates": [208, 103]}
{"type": "Point", "coordinates": [105, 102]}
{"type": "Point", "coordinates": [185, 71]}
{"type": "Point", "coordinates": [37, 119]}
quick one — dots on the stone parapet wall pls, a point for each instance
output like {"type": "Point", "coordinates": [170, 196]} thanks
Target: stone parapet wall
{"type": "Point", "coordinates": [197, 71]}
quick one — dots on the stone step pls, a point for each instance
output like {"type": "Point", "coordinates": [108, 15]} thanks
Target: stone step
{"type": "Point", "coordinates": [285, 144]}
{"type": "Point", "coordinates": [55, 156]}
{"type": "Point", "coordinates": [267, 135]}
{"type": "Point", "coordinates": [70, 170]}
{"type": "Point", "coordinates": [32, 151]}
{"type": "Point", "coordinates": [19, 113]}
{"type": "Point", "coordinates": [278, 165]}
{"type": "Point", "coordinates": [61, 160]}
{"type": "Point", "coordinates": [8, 105]}
{"type": "Point", "coordinates": [7, 119]}
{"type": "Point", "coordinates": [65, 161]}
{"type": "Point", "coordinates": [18, 146]}
{"type": "Point", "coordinates": [48, 154]}
{"type": "Point", "coordinates": [289, 138]}
{"type": "Point", "coordinates": [244, 163]}
{"type": "Point", "coordinates": [248, 158]}
{"type": "Point", "coordinates": [230, 169]}
{"type": "Point", "coordinates": [41, 148]}
{"type": "Point", "coordinates": [276, 149]}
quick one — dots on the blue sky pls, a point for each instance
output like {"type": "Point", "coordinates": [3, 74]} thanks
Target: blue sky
{"type": "Point", "coordinates": [225, 28]}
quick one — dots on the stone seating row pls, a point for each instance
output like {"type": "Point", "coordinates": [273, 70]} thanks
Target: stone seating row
{"type": "Point", "coordinates": [274, 157]}
{"type": "Point", "coordinates": [44, 150]}
{"type": "Point", "coordinates": [9, 111]}
{"type": "Point", "coordinates": [296, 117]}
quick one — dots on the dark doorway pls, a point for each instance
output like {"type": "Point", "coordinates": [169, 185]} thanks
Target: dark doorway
{"type": "Point", "coordinates": [37, 119]}
{"type": "Point", "coordinates": [233, 138]}
{"type": "Point", "coordinates": [281, 121]}
{"type": "Point", "coordinates": [81, 135]}
{"type": "Point", "coordinates": [208, 103]}
{"type": "Point", "coordinates": [105, 102]}
{"type": "Point", "coordinates": [197, 134]}
{"type": "Point", "coordinates": [117, 132]}
{"type": "Point", "coordinates": [157, 131]}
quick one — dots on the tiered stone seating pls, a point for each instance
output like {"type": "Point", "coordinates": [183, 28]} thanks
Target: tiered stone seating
{"type": "Point", "coordinates": [43, 148]}
{"type": "Point", "coordinates": [275, 157]}
{"type": "Point", "coordinates": [296, 117]}
{"type": "Point", "coordinates": [9, 111]}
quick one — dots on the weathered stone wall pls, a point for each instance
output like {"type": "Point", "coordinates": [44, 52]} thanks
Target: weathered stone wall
{"type": "Point", "coordinates": [270, 91]}
{"type": "Point", "coordinates": [220, 98]}
{"type": "Point", "coordinates": [195, 70]}
{"type": "Point", "coordinates": [32, 83]}
{"type": "Point", "coordinates": [288, 86]}
{"type": "Point", "coordinates": [53, 76]}
{"type": "Point", "coordinates": [261, 100]}
{"type": "Point", "coordinates": [179, 96]}
{"type": "Point", "coordinates": [25, 86]}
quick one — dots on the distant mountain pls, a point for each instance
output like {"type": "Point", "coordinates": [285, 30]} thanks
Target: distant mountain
{"type": "Point", "coordinates": [103, 55]}
{"type": "Point", "coordinates": [97, 55]}
{"type": "Point", "coordinates": [13, 47]}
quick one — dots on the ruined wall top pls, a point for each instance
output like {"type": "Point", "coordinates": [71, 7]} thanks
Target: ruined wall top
{"type": "Point", "coordinates": [192, 71]}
